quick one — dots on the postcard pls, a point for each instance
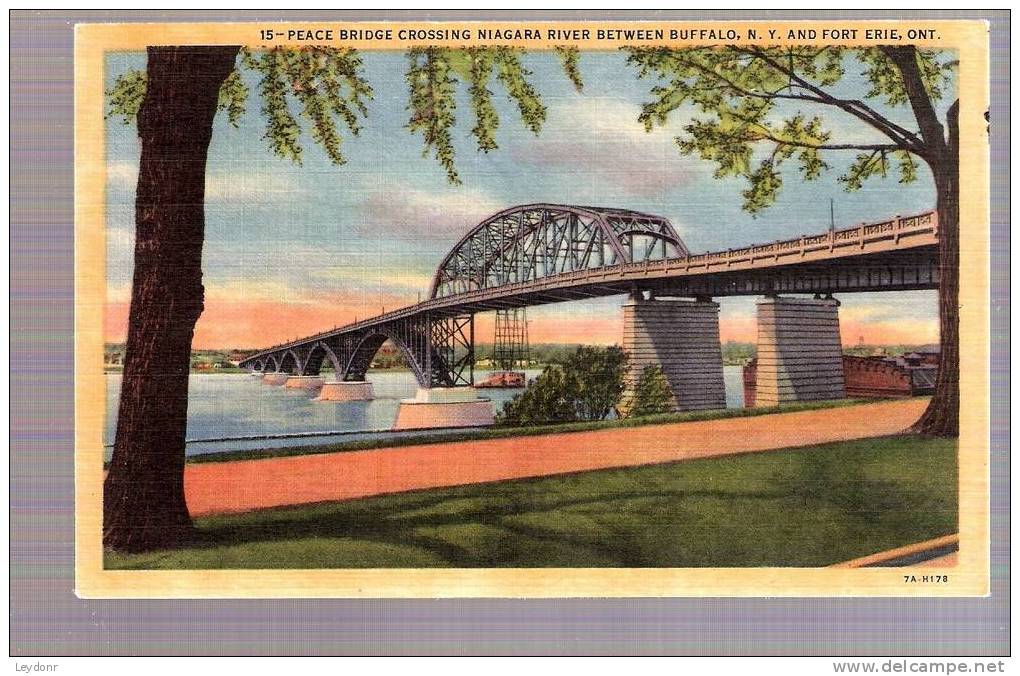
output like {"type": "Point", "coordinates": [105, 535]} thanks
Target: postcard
{"type": "Point", "coordinates": [532, 309]}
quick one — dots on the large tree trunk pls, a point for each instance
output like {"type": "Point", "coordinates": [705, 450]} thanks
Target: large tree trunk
{"type": "Point", "coordinates": [143, 496]}
{"type": "Point", "coordinates": [942, 417]}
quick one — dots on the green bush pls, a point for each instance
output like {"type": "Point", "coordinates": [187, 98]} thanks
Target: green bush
{"type": "Point", "coordinates": [652, 394]}
{"type": "Point", "coordinates": [586, 386]}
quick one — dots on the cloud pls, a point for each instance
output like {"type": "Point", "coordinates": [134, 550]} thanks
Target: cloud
{"type": "Point", "coordinates": [122, 174]}
{"type": "Point", "coordinates": [118, 293]}
{"type": "Point", "coordinates": [312, 275]}
{"type": "Point", "coordinates": [235, 186]}
{"type": "Point", "coordinates": [614, 150]}
{"type": "Point", "coordinates": [120, 241]}
{"type": "Point", "coordinates": [375, 279]}
{"type": "Point", "coordinates": [252, 187]}
{"type": "Point", "coordinates": [230, 322]}
{"type": "Point", "coordinates": [391, 203]}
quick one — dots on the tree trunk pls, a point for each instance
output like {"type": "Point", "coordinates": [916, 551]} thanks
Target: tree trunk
{"type": "Point", "coordinates": [143, 496]}
{"type": "Point", "coordinates": [942, 417]}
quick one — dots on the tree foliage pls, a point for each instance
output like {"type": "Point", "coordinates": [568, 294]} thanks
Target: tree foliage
{"type": "Point", "coordinates": [749, 107]}
{"type": "Point", "coordinates": [433, 75]}
{"type": "Point", "coordinates": [548, 399]}
{"type": "Point", "coordinates": [325, 83]}
{"type": "Point", "coordinates": [586, 386]}
{"type": "Point", "coordinates": [570, 59]}
{"type": "Point", "coordinates": [328, 89]}
{"type": "Point", "coordinates": [652, 394]}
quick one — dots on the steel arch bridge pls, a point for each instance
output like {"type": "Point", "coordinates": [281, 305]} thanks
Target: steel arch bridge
{"type": "Point", "coordinates": [545, 253]}
{"type": "Point", "coordinates": [526, 243]}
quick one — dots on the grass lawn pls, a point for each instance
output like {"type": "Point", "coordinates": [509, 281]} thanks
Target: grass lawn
{"type": "Point", "coordinates": [810, 506]}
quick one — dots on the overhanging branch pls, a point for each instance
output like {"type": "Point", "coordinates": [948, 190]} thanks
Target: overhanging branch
{"type": "Point", "coordinates": [906, 139]}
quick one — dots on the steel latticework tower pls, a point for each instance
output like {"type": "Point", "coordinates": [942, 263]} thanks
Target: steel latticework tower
{"type": "Point", "coordinates": [510, 348]}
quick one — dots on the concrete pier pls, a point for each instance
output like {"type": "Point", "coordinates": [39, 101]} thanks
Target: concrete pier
{"type": "Point", "coordinates": [682, 338]}
{"type": "Point", "coordinates": [800, 356]}
{"type": "Point", "coordinates": [444, 407]}
{"type": "Point", "coordinates": [304, 382]}
{"type": "Point", "coordinates": [275, 378]}
{"type": "Point", "coordinates": [346, 390]}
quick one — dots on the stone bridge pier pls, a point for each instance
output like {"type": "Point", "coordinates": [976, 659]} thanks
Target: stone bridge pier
{"type": "Point", "coordinates": [680, 336]}
{"type": "Point", "coordinates": [346, 390]}
{"type": "Point", "coordinates": [800, 355]}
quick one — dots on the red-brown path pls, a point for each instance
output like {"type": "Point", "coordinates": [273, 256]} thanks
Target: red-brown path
{"type": "Point", "coordinates": [243, 485]}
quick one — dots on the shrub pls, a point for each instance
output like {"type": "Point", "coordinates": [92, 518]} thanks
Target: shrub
{"type": "Point", "coordinates": [586, 386]}
{"type": "Point", "coordinates": [651, 394]}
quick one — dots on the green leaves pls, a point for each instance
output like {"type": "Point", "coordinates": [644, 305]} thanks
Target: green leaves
{"type": "Point", "coordinates": [486, 118]}
{"type": "Point", "coordinates": [729, 140]}
{"type": "Point", "coordinates": [432, 104]}
{"type": "Point", "coordinates": [652, 394]}
{"type": "Point", "coordinates": [548, 399]}
{"type": "Point", "coordinates": [763, 186]}
{"type": "Point", "coordinates": [125, 96]}
{"type": "Point", "coordinates": [327, 84]}
{"type": "Point", "coordinates": [570, 59]}
{"type": "Point", "coordinates": [887, 82]}
{"type": "Point", "coordinates": [514, 77]}
{"type": "Point", "coordinates": [739, 91]}
{"type": "Point", "coordinates": [877, 163]}
{"type": "Point", "coordinates": [282, 130]}
{"type": "Point", "coordinates": [433, 76]}
{"type": "Point", "coordinates": [908, 166]}
{"type": "Point", "coordinates": [233, 97]}
{"type": "Point", "coordinates": [325, 87]}
{"type": "Point", "coordinates": [587, 386]}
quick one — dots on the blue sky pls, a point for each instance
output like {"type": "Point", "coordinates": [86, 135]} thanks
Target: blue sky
{"type": "Point", "coordinates": [315, 245]}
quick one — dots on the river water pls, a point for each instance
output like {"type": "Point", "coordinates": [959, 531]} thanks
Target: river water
{"type": "Point", "coordinates": [229, 412]}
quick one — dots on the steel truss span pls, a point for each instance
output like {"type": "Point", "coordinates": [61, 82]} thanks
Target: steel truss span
{"type": "Point", "coordinates": [548, 253]}
{"type": "Point", "coordinates": [527, 243]}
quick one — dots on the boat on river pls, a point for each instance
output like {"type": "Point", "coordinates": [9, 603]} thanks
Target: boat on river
{"type": "Point", "coordinates": [504, 379]}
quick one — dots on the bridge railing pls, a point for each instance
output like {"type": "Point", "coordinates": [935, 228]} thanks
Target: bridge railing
{"type": "Point", "coordinates": [859, 236]}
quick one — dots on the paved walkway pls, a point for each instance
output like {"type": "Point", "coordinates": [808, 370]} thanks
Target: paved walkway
{"type": "Point", "coordinates": [243, 485]}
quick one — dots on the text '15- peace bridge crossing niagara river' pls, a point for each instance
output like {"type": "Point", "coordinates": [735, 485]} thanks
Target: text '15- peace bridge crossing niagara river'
{"type": "Point", "coordinates": [547, 253]}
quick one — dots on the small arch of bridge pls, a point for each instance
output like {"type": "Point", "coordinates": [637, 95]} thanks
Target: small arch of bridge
{"type": "Point", "coordinates": [290, 363]}
{"type": "Point", "coordinates": [317, 356]}
{"type": "Point", "coordinates": [361, 357]}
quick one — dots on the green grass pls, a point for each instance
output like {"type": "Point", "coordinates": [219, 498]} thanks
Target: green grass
{"type": "Point", "coordinates": [504, 432]}
{"type": "Point", "coordinates": [810, 506]}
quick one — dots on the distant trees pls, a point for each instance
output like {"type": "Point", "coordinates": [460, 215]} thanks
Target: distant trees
{"type": "Point", "coordinates": [585, 386]}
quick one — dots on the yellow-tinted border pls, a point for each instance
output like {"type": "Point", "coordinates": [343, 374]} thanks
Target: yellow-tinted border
{"type": "Point", "coordinates": [969, 578]}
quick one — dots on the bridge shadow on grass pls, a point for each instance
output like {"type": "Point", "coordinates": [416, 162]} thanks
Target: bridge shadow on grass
{"type": "Point", "coordinates": [802, 507]}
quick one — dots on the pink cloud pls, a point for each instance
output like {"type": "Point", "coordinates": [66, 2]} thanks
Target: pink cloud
{"type": "Point", "coordinates": [615, 162]}
{"type": "Point", "coordinates": [419, 212]}
{"type": "Point", "coordinates": [616, 152]}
